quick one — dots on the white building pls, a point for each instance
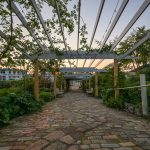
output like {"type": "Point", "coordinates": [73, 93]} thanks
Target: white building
{"type": "Point", "coordinates": [11, 74]}
{"type": "Point", "coordinates": [47, 76]}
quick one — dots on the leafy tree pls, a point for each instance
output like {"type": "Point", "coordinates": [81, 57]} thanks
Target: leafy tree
{"type": "Point", "coordinates": [142, 52]}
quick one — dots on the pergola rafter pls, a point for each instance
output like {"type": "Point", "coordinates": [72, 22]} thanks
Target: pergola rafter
{"type": "Point", "coordinates": [42, 21]}
{"type": "Point", "coordinates": [132, 21]}
{"type": "Point", "coordinates": [129, 25]}
{"type": "Point", "coordinates": [61, 27]}
{"type": "Point", "coordinates": [25, 24]}
{"type": "Point", "coordinates": [78, 38]}
{"type": "Point", "coordinates": [96, 24]}
{"type": "Point", "coordinates": [70, 54]}
{"type": "Point", "coordinates": [31, 31]}
{"type": "Point", "coordinates": [67, 53]}
{"type": "Point", "coordinates": [116, 19]}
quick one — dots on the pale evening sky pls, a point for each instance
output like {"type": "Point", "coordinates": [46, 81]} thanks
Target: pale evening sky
{"type": "Point", "coordinates": [89, 10]}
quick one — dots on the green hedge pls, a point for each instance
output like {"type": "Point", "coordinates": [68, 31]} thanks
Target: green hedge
{"type": "Point", "coordinates": [6, 91]}
{"type": "Point", "coordinates": [14, 102]}
{"type": "Point", "coordinates": [46, 96]}
{"type": "Point", "coordinates": [11, 83]}
{"type": "Point", "coordinates": [13, 105]}
{"type": "Point", "coordinates": [25, 84]}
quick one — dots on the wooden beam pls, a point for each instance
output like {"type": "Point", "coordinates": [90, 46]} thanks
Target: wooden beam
{"type": "Point", "coordinates": [96, 84]}
{"type": "Point", "coordinates": [54, 86]}
{"type": "Point", "coordinates": [89, 83]}
{"type": "Point", "coordinates": [144, 95]}
{"type": "Point", "coordinates": [61, 86]}
{"type": "Point", "coordinates": [116, 78]}
{"type": "Point", "coordinates": [36, 79]}
{"type": "Point", "coordinates": [65, 85]}
{"type": "Point", "coordinates": [86, 84]}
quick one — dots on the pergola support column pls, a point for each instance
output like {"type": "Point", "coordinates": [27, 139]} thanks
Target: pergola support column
{"type": "Point", "coordinates": [65, 85]}
{"type": "Point", "coordinates": [144, 95]}
{"type": "Point", "coordinates": [61, 86]}
{"type": "Point", "coordinates": [36, 79]}
{"type": "Point", "coordinates": [86, 84]}
{"type": "Point", "coordinates": [54, 86]}
{"type": "Point", "coordinates": [89, 83]}
{"type": "Point", "coordinates": [116, 78]}
{"type": "Point", "coordinates": [96, 84]}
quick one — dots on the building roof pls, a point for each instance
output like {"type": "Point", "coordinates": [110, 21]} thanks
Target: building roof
{"type": "Point", "coordinates": [12, 69]}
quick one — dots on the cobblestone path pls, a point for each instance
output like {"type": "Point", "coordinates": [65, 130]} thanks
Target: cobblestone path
{"type": "Point", "coordinates": [76, 122]}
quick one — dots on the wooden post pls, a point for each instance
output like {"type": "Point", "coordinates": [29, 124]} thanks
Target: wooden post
{"type": "Point", "coordinates": [36, 79]}
{"type": "Point", "coordinates": [89, 83]}
{"type": "Point", "coordinates": [54, 84]}
{"type": "Point", "coordinates": [116, 78]}
{"type": "Point", "coordinates": [61, 87]}
{"type": "Point", "coordinates": [86, 84]}
{"type": "Point", "coordinates": [83, 85]}
{"type": "Point", "coordinates": [96, 84]}
{"type": "Point", "coordinates": [65, 86]}
{"type": "Point", "coordinates": [144, 95]}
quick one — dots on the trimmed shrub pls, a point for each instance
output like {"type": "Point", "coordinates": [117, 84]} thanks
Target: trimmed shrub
{"type": "Point", "coordinates": [110, 101]}
{"type": "Point", "coordinates": [6, 91]}
{"type": "Point", "coordinates": [114, 103]}
{"type": "Point", "coordinates": [46, 96]}
{"type": "Point", "coordinates": [24, 84]}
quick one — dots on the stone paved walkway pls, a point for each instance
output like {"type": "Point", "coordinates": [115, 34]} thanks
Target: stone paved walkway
{"type": "Point", "coordinates": [76, 122]}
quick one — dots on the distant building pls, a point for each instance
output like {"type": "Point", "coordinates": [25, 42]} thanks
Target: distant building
{"type": "Point", "coordinates": [47, 76]}
{"type": "Point", "coordinates": [11, 74]}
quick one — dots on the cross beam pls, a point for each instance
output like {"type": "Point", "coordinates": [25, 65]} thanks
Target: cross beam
{"type": "Point", "coordinates": [77, 76]}
{"type": "Point", "coordinates": [82, 69]}
{"type": "Point", "coordinates": [76, 55]}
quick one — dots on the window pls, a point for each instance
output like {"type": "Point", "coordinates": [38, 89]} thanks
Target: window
{"type": "Point", "coordinates": [3, 71]}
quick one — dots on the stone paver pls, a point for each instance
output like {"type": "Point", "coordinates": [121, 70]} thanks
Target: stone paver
{"type": "Point", "coordinates": [127, 144]}
{"type": "Point", "coordinates": [67, 139]}
{"type": "Point", "coordinates": [76, 122]}
{"type": "Point", "coordinates": [73, 147]}
{"type": "Point", "coordinates": [54, 135]}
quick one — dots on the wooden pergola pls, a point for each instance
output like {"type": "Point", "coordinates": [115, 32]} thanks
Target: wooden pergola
{"type": "Point", "coordinates": [47, 53]}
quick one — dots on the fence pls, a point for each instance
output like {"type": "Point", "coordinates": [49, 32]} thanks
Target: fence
{"type": "Point", "coordinates": [144, 96]}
